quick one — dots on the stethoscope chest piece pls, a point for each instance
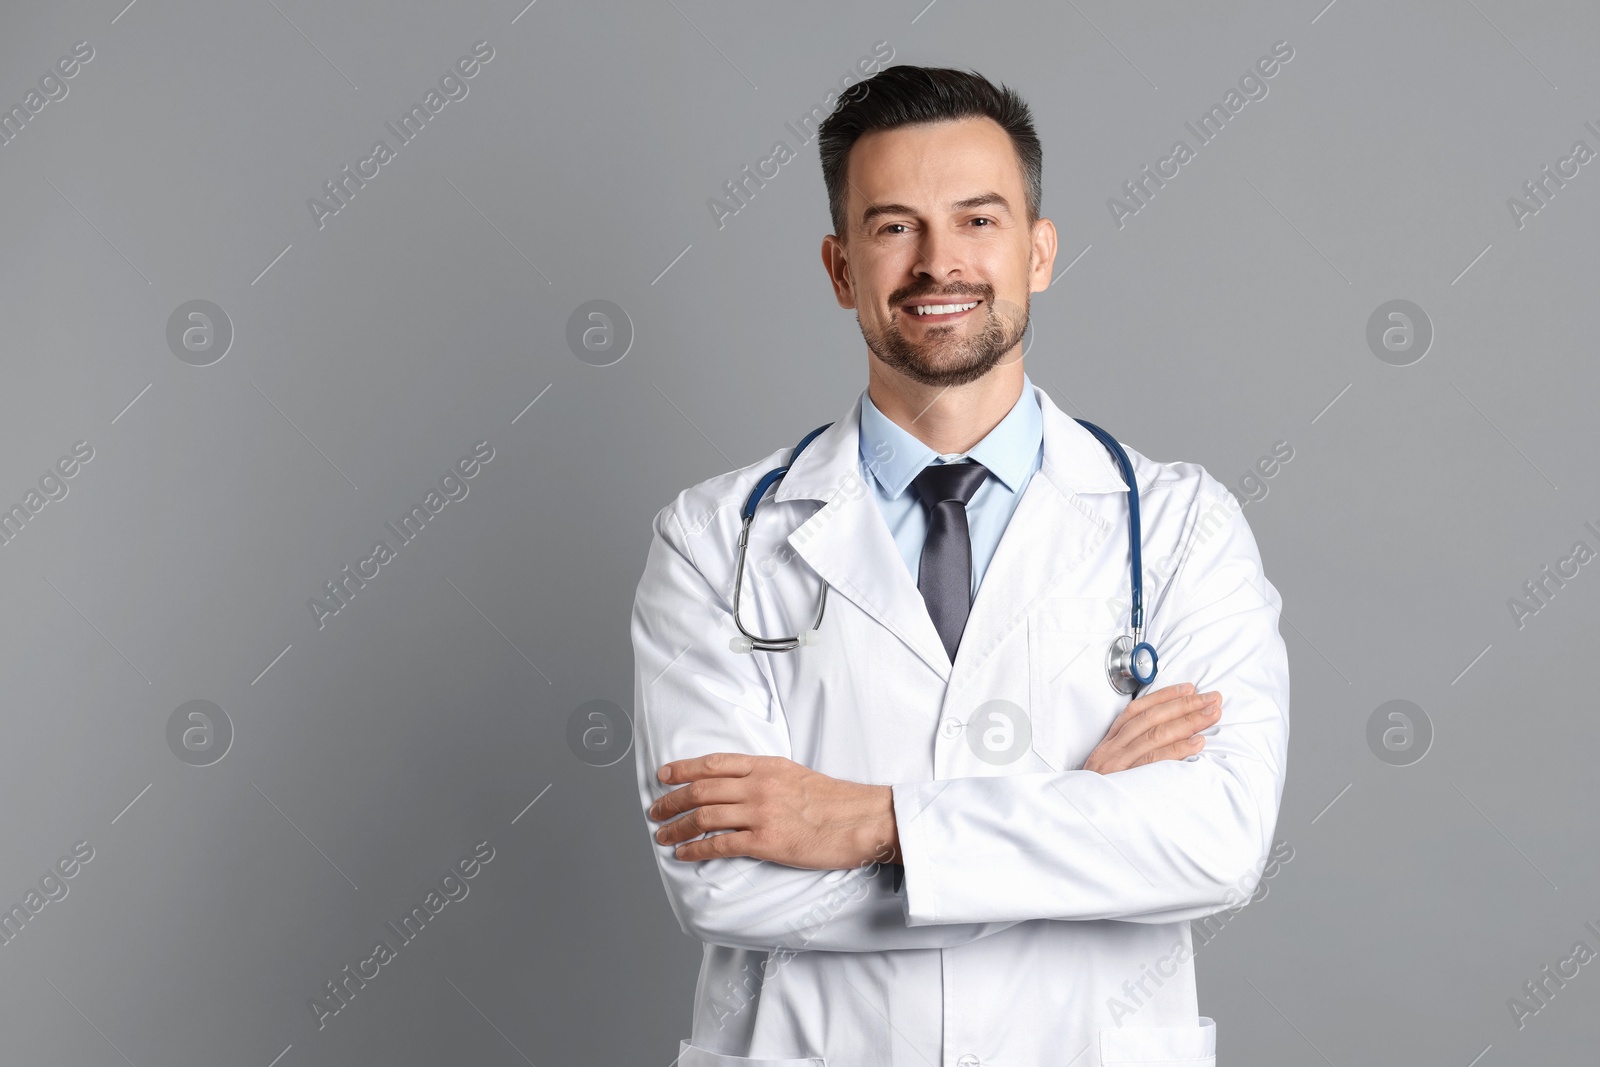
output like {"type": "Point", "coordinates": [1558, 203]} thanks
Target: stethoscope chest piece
{"type": "Point", "coordinates": [1130, 665]}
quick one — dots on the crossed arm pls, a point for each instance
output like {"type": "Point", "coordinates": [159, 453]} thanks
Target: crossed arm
{"type": "Point", "coordinates": [784, 812]}
{"type": "Point", "coordinates": [798, 858]}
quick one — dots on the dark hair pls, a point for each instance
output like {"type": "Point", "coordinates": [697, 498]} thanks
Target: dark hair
{"type": "Point", "coordinates": [904, 95]}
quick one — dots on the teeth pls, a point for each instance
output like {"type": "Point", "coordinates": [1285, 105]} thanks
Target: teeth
{"type": "Point", "coordinates": [943, 309]}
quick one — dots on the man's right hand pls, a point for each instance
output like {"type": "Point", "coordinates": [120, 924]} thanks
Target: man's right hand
{"type": "Point", "coordinates": [1163, 724]}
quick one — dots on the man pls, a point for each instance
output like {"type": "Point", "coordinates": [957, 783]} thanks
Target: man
{"type": "Point", "coordinates": [937, 834]}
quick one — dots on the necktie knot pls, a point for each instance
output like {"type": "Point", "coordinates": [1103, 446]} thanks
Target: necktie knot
{"type": "Point", "coordinates": [942, 482]}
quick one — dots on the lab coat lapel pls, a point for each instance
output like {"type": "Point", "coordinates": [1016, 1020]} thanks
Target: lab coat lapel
{"type": "Point", "coordinates": [849, 545]}
{"type": "Point", "coordinates": [1055, 526]}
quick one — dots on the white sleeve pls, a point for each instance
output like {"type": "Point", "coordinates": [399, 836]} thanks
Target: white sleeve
{"type": "Point", "coordinates": [1168, 841]}
{"type": "Point", "coordinates": [693, 696]}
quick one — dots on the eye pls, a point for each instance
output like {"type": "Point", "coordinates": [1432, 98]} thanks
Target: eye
{"type": "Point", "coordinates": [894, 224]}
{"type": "Point", "coordinates": [984, 218]}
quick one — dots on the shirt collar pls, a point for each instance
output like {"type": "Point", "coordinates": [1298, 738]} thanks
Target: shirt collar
{"type": "Point", "coordinates": [895, 456]}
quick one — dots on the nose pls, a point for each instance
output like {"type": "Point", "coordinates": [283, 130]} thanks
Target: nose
{"type": "Point", "coordinates": [940, 259]}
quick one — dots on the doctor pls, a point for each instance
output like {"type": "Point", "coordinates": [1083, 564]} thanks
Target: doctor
{"type": "Point", "coordinates": [936, 833]}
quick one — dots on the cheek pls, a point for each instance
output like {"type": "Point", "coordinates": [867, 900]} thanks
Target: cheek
{"type": "Point", "coordinates": [881, 266]}
{"type": "Point", "coordinates": [873, 301]}
{"type": "Point", "coordinates": [1009, 303]}
{"type": "Point", "coordinates": [1010, 275]}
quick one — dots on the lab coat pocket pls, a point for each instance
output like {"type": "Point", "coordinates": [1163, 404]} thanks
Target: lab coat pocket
{"type": "Point", "coordinates": [695, 1056]}
{"type": "Point", "coordinates": [1072, 702]}
{"type": "Point", "coordinates": [1161, 1046]}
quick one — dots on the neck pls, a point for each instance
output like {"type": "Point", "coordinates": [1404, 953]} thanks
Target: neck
{"type": "Point", "coordinates": [945, 418]}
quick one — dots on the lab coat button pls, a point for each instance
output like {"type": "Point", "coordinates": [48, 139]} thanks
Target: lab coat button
{"type": "Point", "coordinates": [969, 1060]}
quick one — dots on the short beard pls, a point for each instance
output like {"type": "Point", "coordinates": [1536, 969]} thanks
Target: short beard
{"type": "Point", "coordinates": [969, 360]}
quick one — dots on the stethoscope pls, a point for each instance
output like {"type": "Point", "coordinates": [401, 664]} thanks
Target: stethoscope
{"type": "Point", "coordinates": [1130, 662]}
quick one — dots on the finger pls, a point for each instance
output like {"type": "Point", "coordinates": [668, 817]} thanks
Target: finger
{"type": "Point", "coordinates": [711, 765]}
{"type": "Point", "coordinates": [1186, 725]}
{"type": "Point", "coordinates": [1176, 751]}
{"type": "Point", "coordinates": [696, 794]}
{"type": "Point", "coordinates": [704, 821]}
{"type": "Point", "coordinates": [718, 846]}
{"type": "Point", "coordinates": [1150, 700]}
{"type": "Point", "coordinates": [1156, 714]}
{"type": "Point", "coordinates": [1173, 722]}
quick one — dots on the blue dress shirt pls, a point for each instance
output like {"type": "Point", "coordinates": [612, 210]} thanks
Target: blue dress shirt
{"type": "Point", "coordinates": [891, 457]}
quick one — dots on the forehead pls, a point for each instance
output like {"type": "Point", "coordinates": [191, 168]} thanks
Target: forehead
{"type": "Point", "coordinates": [929, 165]}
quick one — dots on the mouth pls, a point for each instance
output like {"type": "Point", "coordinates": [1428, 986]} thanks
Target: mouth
{"type": "Point", "coordinates": [936, 309]}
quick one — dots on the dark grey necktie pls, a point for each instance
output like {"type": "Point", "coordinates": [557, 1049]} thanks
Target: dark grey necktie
{"type": "Point", "coordinates": [945, 573]}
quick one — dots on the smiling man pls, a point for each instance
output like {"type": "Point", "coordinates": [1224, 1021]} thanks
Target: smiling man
{"type": "Point", "coordinates": [932, 827]}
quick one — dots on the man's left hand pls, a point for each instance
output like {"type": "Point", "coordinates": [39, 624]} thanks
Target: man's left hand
{"type": "Point", "coordinates": [774, 809]}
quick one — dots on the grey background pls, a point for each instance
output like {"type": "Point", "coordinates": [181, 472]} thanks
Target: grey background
{"type": "Point", "coordinates": [369, 355]}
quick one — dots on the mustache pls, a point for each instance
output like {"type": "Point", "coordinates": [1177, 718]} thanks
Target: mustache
{"type": "Point", "coordinates": [949, 297]}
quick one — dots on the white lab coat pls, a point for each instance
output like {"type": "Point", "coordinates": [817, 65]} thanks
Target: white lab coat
{"type": "Point", "coordinates": [1043, 918]}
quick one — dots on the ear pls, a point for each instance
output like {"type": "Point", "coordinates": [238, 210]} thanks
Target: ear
{"type": "Point", "coordinates": [1041, 256]}
{"type": "Point", "coordinates": [836, 262]}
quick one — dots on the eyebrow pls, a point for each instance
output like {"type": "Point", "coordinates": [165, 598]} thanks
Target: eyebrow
{"type": "Point", "coordinates": [981, 200]}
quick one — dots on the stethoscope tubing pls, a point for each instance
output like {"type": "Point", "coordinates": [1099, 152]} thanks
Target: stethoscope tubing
{"type": "Point", "coordinates": [1123, 660]}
